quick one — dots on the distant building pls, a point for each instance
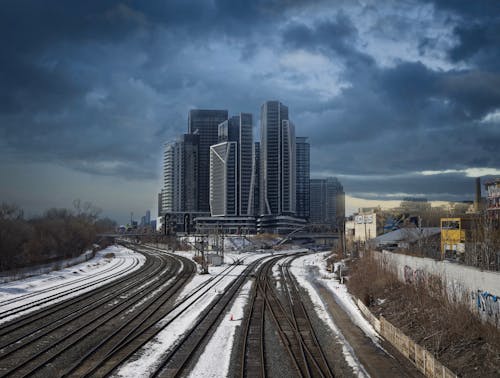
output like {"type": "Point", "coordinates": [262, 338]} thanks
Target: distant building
{"type": "Point", "coordinates": [364, 226]}
{"type": "Point", "coordinates": [278, 174]}
{"type": "Point", "coordinates": [277, 154]}
{"type": "Point", "coordinates": [302, 177]}
{"type": "Point", "coordinates": [493, 197]}
{"type": "Point", "coordinates": [239, 129]}
{"type": "Point", "coordinates": [180, 192]}
{"type": "Point", "coordinates": [414, 205]}
{"type": "Point", "coordinates": [231, 168]}
{"type": "Point", "coordinates": [256, 179]}
{"type": "Point", "coordinates": [223, 179]}
{"type": "Point", "coordinates": [327, 203]}
{"type": "Point", "coordinates": [205, 124]}
{"type": "Point", "coordinates": [160, 207]}
{"type": "Point", "coordinates": [180, 175]}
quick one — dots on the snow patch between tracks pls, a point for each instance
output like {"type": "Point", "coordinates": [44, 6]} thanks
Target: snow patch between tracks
{"type": "Point", "coordinates": [300, 270]}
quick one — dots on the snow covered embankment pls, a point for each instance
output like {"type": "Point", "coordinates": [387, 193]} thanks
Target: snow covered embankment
{"type": "Point", "coordinates": [69, 282]}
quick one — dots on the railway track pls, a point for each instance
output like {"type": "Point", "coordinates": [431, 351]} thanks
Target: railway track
{"type": "Point", "coordinates": [291, 322]}
{"type": "Point", "coordinates": [68, 285]}
{"type": "Point", "coordinates": [72, 332]}
{"type": "Point", "coordinates": [179, 357]}
{"type": "Point", "coordinates": [71, 289]}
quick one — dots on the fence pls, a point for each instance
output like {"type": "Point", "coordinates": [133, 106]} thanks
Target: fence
{"type": "Point", "coordinates": [419, 356]}
{"type": "Point", "coordinates": [368, 314]}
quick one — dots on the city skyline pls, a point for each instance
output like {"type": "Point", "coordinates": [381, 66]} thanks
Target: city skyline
{"type": "Point", "coordinates": [396, 99]}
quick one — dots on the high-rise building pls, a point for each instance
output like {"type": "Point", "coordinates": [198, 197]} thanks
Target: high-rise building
{"type": "Point", "coordinates": [205, 124]}
{"type": "Point", "coordinates": [160, 204]}
{"type": "Point", "coordinates": [223, 179]}
{"type": "Point", "coordinates": [239, 129]}
{"type": "Point", "coordinates": [303, 177]}
{"type": "Point", "coordinates": [327, 202]}
{"type": "Point", "coordinates": [256, 179]}
{"type": "Point", "coordinates": [180, 175]}
{"type": "Point", "coordinates": [277, 154]}
{"type": "Point", "coordinates": [246, 177]}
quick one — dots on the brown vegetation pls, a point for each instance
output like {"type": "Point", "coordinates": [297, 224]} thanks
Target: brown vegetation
{"type": "Point", "coordinates": [57, 234]}
{"type": "Point", "coordinates": [442, 323]}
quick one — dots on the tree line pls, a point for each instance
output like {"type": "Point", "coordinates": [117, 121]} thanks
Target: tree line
{"type": "Point", "coordinates": [55, 235]}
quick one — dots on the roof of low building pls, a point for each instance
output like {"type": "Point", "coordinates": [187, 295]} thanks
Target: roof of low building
{"type": "Point", "coordinates": [406, 234]}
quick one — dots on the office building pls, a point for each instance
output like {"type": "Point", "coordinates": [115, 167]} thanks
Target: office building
{"type": "Point", "coordinates": [277, 154]}
{"type": "Point", "coordinates": [205, 124]}
{"type": "Point", "coordinates": [223, 179]}
{"type": "Point", "coordinates": [302, 177]}
{"type": "Point", "coordinates": [238, 131]}
{"type": "Point", "coordinates": [256, 179]}
{"type": "Point", "coordinates": [180, 175]}
{"type": "Point", "coordinates": [327, 203]}
{"type": "Point", "coordinates": [160, 204]}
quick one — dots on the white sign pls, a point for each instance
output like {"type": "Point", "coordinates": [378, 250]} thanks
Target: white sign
{"type": "Point", "coordinates": [360, 219]}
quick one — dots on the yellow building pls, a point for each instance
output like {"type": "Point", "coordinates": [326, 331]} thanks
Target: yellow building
{"type": "Point", "coordinates": [452, 236]}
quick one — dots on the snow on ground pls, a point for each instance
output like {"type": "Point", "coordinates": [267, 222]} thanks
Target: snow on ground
{"type": "Point", "coordinates": [31, 271]}
{"type": "Point", "coordinates": [344, 299]}
{"type": "Point", "coordinates": [91, 274]}
{"type": "Point", "coordinates": [215, 359]}
{"type": "Point", "coordinates": [182, 318]}
{"type": "Point", "coordinates": [300, 269]}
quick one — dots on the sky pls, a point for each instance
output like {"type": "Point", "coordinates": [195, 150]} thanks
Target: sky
{"type": "Point", "coordinates": [398, 98]}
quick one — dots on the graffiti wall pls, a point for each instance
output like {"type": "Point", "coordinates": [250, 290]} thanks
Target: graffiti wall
{"type": "Point", "coordinates": [486, 304]}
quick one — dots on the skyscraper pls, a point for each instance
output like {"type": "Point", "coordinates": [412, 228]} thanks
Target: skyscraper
{"type": "Point", "coordinates": [277, 154]}
{"type": "Point", "coordinates": [180, 175]}
{"type": "Point", "coordinates": [223, 179]}
{"type": "Point", "coordinates": [246, 178]}
{"type": "Point", "coordinates": [256, 179]}
{"type": "Point", "coordinates": [238, 131]}
{"type": "Point", "coordinates": [327, 202]}
{"type": "Point", "coordinates": [205, 124]}
{"type": "Point", "coordinates": [303, 177]}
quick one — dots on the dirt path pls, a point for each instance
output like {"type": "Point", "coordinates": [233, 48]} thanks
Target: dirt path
{"type": "Point", "coordinates": [376, 361]}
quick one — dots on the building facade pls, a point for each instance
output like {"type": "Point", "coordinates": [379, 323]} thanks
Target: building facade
{"type": "Point", "coordinates": [205, 124]}
{"type": "Point", "coordinates": [256, 179]}
{"type": "Point", "coordinates": [239, 130]}
{"type": "Point", "coordinates": [303, 177]}
{"type": "Point", "coordinates": [277, 155]}
{"type": "Point", "coordinates": [327, 203]}
{"type": "Point", "coordinates": [493, 197]}
{"type": "Point", "coordinates": [180, 175]}
{"type": "Point", "coordinates": [223, 179]}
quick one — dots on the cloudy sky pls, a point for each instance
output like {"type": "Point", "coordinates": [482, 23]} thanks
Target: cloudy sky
{"type": "Point", "coordinates": [397, 98]}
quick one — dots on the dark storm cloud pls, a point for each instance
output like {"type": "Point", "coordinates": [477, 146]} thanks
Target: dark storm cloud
{"type": "Point", "coordinates": [99, 86]}
{"type": "Point", "coordinates": [337, 36]}
{"type": "Point", "coordinates": [458, 187]}
{"type": "Point", "coordinates": [478, 33]}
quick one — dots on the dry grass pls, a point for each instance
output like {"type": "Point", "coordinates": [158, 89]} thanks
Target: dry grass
{"type": "Point", "coordinates": [442, 323]}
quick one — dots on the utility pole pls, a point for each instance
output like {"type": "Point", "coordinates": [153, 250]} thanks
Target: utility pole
{"type": "Point", "coordinates": [204, 265]}
{"type": "Point", "coordinates": [221, 251]}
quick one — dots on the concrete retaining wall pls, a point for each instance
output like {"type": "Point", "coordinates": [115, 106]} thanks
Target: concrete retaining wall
{"type": "Point", "coordinates": [468, 278]}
